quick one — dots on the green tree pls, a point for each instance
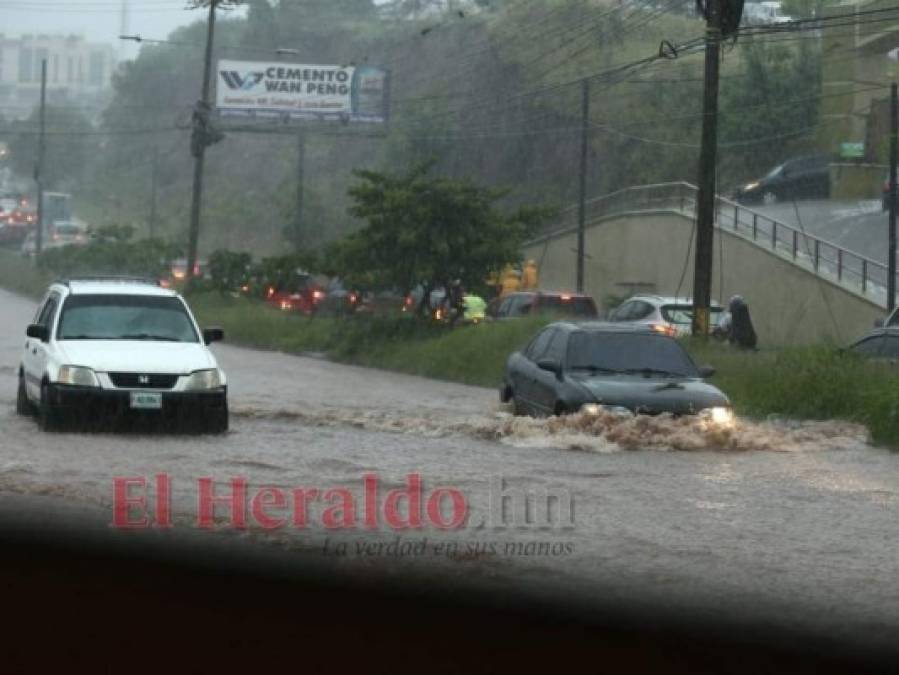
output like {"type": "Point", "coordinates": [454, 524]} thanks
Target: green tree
{"type": "Point", "coordinates": [430, 231]}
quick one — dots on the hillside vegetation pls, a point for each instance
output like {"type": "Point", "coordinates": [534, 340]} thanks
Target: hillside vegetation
{"type": "Point", "coordinates": [490, 91]}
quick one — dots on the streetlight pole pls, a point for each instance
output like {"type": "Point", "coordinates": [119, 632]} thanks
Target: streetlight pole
{"type": "Point", "coordinates": [153, 181]}
{"type": "Point", "coordinates": [582, 182]}
{"type": "Point", "coordinates": [891, 235]}
{"type": "Point", "coordinates": [39, 164]}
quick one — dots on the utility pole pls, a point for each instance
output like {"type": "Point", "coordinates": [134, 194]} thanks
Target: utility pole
{"type": "Point", "coordinates": [582, 188]}
{"type": "Point", "coordinates": [301, 163]}
{"type": "Point", "coordinates": [705, 200]}
{"type": "Point", "coordinates": [39, 164]}
{"type": "Point", "coordinates": [153, 180]}
{"type": "Point", "coordinates": [894, 158]}
{"type": "Point", "coordinates": [198, 146]}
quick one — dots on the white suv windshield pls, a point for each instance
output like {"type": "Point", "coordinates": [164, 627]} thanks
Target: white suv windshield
{"type": "Point", "coordinates": [125, 317]}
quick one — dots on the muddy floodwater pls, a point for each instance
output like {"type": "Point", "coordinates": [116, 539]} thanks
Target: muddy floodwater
{"type": "Point", "coordinates": [799, 520]}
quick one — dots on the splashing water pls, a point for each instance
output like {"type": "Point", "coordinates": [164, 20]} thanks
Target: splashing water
{"type": "Point", "coordinates": [593, 432]}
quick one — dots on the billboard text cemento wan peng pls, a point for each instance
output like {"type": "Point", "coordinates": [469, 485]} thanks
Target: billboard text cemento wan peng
{"type": "Point", "coordinates": [258, 89]}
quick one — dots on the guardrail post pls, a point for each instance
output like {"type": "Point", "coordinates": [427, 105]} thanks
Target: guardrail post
{"type": "Point", "coordinates": [795, 243]}
{"type": "Point", "coordinates": [755, 226]}
{"type": "Point", "coordinates": [817, 254]}
{"type": "Point", "coordinates": [774, 235]}
{"type": "Point", "coordinates": [864, 275]}
{"type": "Point", "coordinates": [736, 217]}
{"type": "Point", "coordinates": [682, 198]}
{"type": "Point", "coordinates": [839, 264]}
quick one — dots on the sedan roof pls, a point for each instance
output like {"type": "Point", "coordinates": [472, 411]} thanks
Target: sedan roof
{"type": "Point", "coordinates": [605, 327]}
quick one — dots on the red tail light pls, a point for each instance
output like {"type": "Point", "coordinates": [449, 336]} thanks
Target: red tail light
{"type": "Point", "coordinates": [670, 331]}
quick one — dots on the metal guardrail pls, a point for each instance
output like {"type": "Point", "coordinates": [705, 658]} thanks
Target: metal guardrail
{"type": "Point", "coordinates": [849, 269]}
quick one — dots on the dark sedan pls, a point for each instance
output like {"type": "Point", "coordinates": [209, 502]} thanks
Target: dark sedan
{"type": "Point", "coordinates": [803, 177]}
{"type": "Point", "coordinates": [567, 366]}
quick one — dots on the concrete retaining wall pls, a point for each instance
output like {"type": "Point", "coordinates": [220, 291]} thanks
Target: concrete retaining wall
{"type": "Point", "coordinates": [649, 251]}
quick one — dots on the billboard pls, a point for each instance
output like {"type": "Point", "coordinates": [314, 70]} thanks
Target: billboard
{"type": "Point", "coordinates": [293, 91]}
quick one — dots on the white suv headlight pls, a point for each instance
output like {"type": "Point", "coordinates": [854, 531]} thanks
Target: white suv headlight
{"type": "Point", "coordinates": [204, 379]}
{"type": "Point", "coordinates": [77, 376]}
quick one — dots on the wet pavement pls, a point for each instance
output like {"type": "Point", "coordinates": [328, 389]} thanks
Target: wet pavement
{"type": "Point", "coordinates": [794, 522]}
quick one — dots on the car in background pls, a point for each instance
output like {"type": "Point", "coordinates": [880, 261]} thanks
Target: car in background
{"type": "Point", "coordinates": [339, 301]}
{"type": "Point", "coordinates": [881, 343]}
{"type": "Point", "coordinates": [300, 293]}
{"type": "Point", "coordinates": [67, 232]}
{"type": "Point", "coordinates": [762, 13]}
{"type": "Point", "coordinates": [7, 206]}
{"type": "Point", "coordinates": [526, 303]}
{"type": "Point", "coordinates": [115, 349]}
{"type": "Point", "coordinates": [664, 314]}
{"type": "Point", "coordinates": [178, 270]}
{"type": "Point", "coordinates": [12, 233]}
{"type": "Point", "coordinates": [573, 367]}
{"type": "Point", "coordinates": [799, 178]}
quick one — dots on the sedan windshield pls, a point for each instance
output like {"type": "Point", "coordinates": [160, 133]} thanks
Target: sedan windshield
{"type": "Point", "coordinates": [125, 317]}
{"type": "Point", "coordinates": [774, 173]}
{"type": "Point", "coordinates": [629, 353]}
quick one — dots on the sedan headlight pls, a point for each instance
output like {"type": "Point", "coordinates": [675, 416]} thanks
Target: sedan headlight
{"type": "Point", "coordinates": [750, 186]}
{"type": "Point", "coordinates": [597, 408]}
{"type": "Point", "coordinates": [204, 379]}
{"type": "Point", "coordinates": [720, 416]}
{"type": "Point", "coordinates": [77, 376]}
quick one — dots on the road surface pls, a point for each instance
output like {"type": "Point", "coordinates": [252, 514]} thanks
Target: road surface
{"type": "Point", "coordinates": [794, 523]}
{"type": "Point", "coordinates": [857, 225]}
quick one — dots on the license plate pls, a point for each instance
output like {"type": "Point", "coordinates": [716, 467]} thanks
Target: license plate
{"type": "Point", "coordinates": [141, 400]}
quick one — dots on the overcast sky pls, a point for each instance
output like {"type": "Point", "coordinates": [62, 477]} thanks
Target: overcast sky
{"type": "Point", "coordinates": [97, 20]}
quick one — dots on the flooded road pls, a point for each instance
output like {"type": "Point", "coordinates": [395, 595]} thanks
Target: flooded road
{"type": "Point", "coordinates": [795, 522]}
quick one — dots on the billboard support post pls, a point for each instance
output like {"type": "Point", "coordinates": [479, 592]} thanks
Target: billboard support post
{"type": "Point", "coordinates": [198, 147]}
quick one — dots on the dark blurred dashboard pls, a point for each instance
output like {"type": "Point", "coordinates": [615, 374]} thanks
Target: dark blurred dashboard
{"type": "Point", "coordinates": [77, 597]}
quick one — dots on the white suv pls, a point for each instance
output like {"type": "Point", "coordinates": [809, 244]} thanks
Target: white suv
{"type": "Point", "coordinates": [121, 350]}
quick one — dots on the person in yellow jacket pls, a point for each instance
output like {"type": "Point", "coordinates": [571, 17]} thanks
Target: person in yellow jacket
{"type": "Point", "coordinates": [510, 280]}
{"type": "Point", "coordinates": [529, 275]}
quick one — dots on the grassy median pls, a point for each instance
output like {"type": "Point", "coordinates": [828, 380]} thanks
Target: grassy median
{"type": "Point", "coordinates": [469, 354]}
{"type": "Point", "coordinates": [813, 382]}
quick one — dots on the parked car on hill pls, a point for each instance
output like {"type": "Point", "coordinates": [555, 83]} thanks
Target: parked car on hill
{"type": "Point", "coordinates": [802, 177]}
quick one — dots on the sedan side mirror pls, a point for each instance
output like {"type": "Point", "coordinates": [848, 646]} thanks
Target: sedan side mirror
{"type": "Point", "coordinates": [706, 371]}
{"type": "Point", "coordinates": [551, 365]}
{"type": "Point", "coordinates": [878, 323]}
{"type": "Point", "coordinates": [211, 335]}
{"type": "Point", "coordinates": [38, 332]}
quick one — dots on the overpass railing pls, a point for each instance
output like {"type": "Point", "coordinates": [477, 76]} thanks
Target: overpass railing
{"type": "Point", "coordinates": [792, 243]}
